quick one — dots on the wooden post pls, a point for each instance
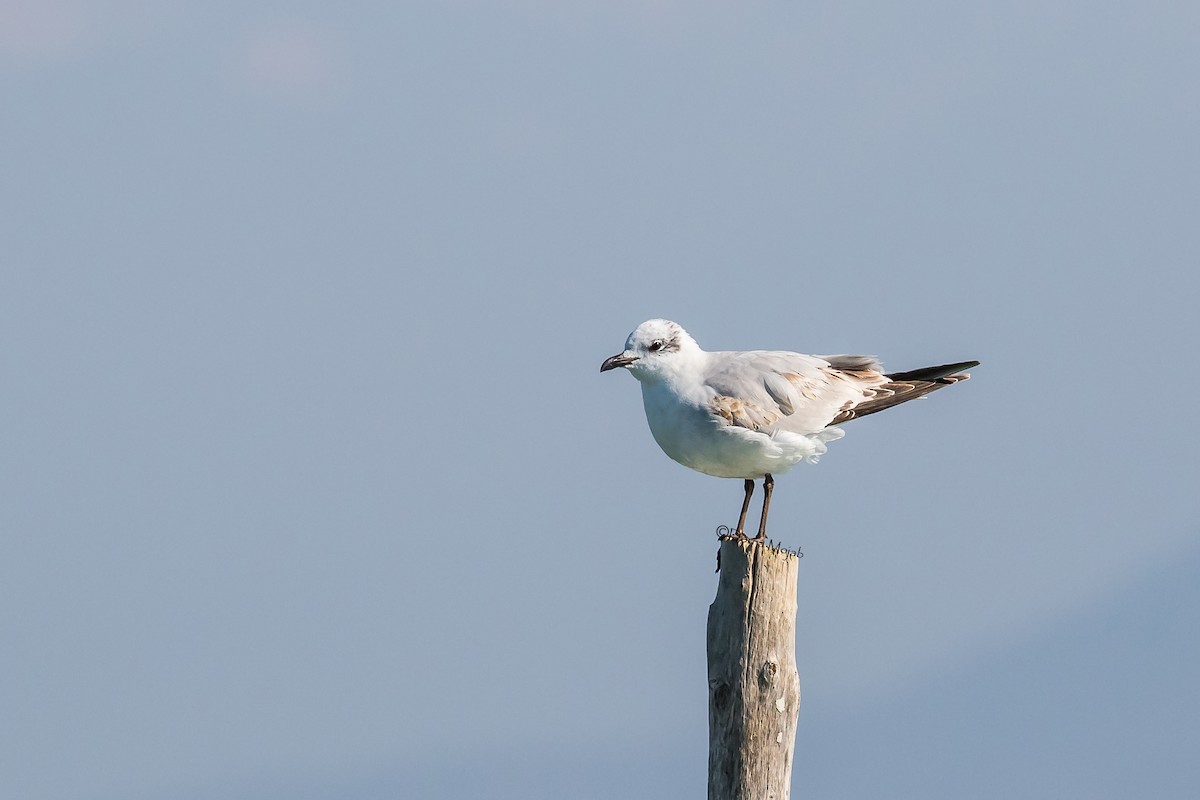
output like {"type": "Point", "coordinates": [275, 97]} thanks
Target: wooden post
{"type": "Point", "coordinates": [753, 684]}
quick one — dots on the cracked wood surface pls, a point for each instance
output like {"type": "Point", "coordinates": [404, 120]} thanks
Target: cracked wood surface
{"type": "Point", "coordinates": [753, 683]}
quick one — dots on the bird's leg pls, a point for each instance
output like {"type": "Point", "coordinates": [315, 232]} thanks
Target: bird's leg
{"type": "Point", "coordinates": [741, 526]}
{"type": "Point", "coordinates": [768, 485]}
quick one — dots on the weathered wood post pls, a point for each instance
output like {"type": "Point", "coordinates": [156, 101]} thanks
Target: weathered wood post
{"type": "Point", "coordinates": [753, 684]}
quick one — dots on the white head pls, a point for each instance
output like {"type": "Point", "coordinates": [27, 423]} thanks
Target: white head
{"type": "Point", "coordinates": [655, 349]}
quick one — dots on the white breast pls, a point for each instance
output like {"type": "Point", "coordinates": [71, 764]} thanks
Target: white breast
{"type": "Point", "coordinates": [689, 433]}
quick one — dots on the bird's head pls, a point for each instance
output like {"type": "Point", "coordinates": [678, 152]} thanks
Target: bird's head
{"type": "Point", "coordinates": [655, 347]}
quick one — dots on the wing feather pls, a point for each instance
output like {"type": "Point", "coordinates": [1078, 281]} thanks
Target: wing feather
{"type": "Point", "coordinates": [896, 392]}
{"type": "Point", "coordinates": [773, 391]}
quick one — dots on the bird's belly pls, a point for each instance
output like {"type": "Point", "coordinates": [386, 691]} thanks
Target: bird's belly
{"type": "Point", "coordinates": [691, 436]}
{"type": "Point", "coordinates": [724, 457]}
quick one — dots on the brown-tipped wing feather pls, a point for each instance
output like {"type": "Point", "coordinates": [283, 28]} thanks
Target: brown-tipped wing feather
{"type": "Point", "coordinates": [905, 386]}
{"type": "Point", "coordinates": [775, 391]}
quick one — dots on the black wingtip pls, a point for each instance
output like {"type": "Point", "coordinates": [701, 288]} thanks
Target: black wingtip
{"type": "Point", "coordinates": [933, 373]}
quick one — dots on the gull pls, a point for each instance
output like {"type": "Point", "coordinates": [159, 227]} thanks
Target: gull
{"type": "Point", "coordinates": [758, 413]}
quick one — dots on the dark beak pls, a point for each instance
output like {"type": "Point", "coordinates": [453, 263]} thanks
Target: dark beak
{"type": "Point", "coordinates": [619, 360]}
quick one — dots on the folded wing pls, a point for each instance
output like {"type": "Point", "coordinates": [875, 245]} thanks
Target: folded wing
{"type": "Point", "coordinates": [904, 386]}
{"type": "Point", "coordinates": [772, 391]}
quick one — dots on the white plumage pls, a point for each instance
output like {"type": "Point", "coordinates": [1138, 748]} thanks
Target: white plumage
{"type": "Point", "coordinates": [753, 414]}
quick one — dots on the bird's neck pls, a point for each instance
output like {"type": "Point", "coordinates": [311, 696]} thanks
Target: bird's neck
{"type": "Point", "coordinates": [681, 375]}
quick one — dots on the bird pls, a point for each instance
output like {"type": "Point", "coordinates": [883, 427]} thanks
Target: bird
{"type": "Point", "coordinates": [756, 414]}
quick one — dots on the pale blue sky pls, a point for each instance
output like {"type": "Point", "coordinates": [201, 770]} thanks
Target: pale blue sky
{"type": "Point", "coordinates": [312, 488]}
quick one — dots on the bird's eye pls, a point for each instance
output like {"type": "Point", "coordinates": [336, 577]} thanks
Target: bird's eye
{"type": "Point", "coordinates": [656, 345]}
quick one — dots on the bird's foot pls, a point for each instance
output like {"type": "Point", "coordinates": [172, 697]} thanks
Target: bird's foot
{"type": "Point", "coordinates": [726, 532]}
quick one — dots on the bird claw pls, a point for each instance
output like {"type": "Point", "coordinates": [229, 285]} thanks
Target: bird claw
{"type": "Point", "coordinates": [726, 532]}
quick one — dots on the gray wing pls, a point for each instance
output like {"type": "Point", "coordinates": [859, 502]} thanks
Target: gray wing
{"type": "Point", "coordinates": [780, 391]}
